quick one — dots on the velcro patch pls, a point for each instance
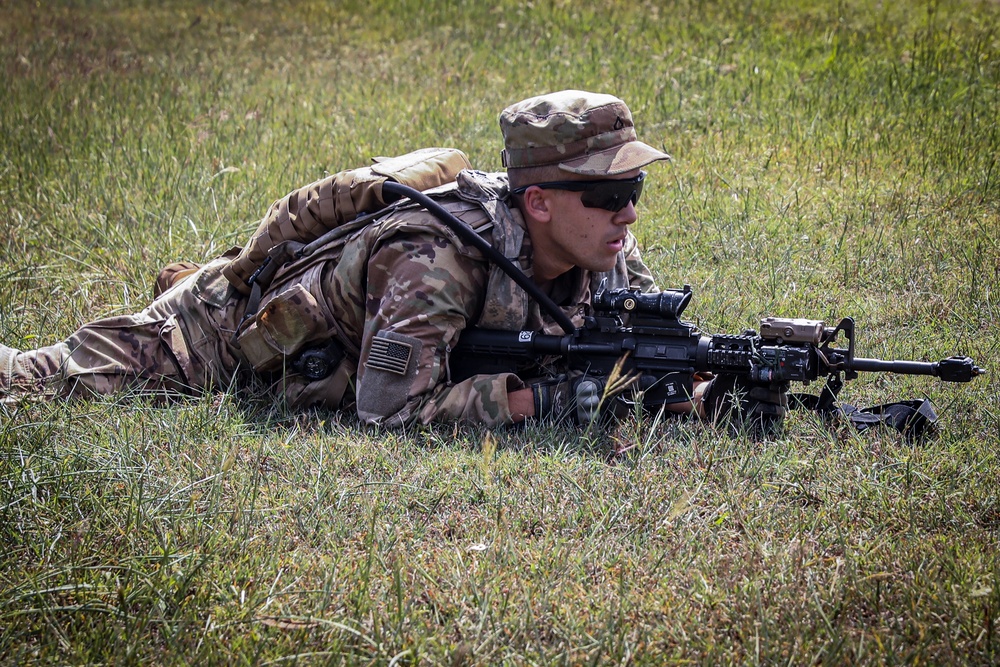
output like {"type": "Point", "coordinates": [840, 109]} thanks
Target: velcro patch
{"type": "Point", "coordinates": [389, 373]}
{"type": "Point", "coordinates": [389, 355]}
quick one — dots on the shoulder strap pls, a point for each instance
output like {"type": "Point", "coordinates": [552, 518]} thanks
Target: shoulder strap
{"type": "Point", "coordinates": [913, 418]}
{"type": "Point", "coordinates": [313, 210]}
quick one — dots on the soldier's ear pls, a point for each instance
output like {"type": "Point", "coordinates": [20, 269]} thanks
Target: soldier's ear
{"type": "Point", "coordinates": [536, 204]}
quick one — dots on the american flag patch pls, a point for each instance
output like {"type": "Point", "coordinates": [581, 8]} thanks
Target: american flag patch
{"type": "Point", "coordinates": [389, 355]}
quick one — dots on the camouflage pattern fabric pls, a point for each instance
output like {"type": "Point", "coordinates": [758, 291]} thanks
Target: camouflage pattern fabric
{"type": "Point", "coordinates": [396, 293]}
{"type": "Point", "coordinates": [582, 132]}
{"type": "Point", "coordinates": [426, 283]}
{"type": "Point", "coordinates": [313, 210]}
{"type": "Point", "coordinates": [177, 344]}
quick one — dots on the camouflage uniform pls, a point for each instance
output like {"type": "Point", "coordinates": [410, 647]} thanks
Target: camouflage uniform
{"type": "Point", "coordinates": [394, 289]}
{"type": "Point", "coordinates": [423, 286]}
{"type": "Point", "coordinates": [176, 344]}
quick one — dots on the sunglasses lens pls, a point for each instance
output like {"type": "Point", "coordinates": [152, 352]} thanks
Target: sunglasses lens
{"type": "Point", "coordinates": [612, 195]}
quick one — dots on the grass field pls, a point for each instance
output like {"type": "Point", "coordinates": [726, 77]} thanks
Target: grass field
{"type": "Point", "coordinates": [831, 159]}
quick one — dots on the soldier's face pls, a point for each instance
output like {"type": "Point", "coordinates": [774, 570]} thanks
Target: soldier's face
{"type": "Point", "coordinates": [577, 235]}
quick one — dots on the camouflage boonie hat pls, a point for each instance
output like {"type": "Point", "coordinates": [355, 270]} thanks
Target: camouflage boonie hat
{"type": "Point", "coordinates": [584, 133]}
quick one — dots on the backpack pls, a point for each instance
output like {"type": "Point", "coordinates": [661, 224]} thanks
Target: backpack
{"type": "Point", "coordinates": [309, 212]}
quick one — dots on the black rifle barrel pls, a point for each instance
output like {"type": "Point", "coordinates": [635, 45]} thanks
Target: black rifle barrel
{"type": "Point", "coordinates": [902, 367]}
{"type": "Point", "coordinates": [952, 369]}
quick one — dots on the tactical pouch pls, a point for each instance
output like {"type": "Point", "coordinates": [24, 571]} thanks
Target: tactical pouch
{"type": "Point", "coordinates": [288, 322]}
{"type": "Point", "coordinates": [311, 211]}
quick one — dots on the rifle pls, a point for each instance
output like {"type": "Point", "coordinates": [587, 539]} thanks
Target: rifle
{"type": "Point", "coordinates": [643, 333]}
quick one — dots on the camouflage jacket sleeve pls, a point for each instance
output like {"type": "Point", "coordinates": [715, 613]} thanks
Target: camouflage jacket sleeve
{"type": "Point", "coordinates": [640, 277]}
{"type": "Point", "coordinates": [422, 291]}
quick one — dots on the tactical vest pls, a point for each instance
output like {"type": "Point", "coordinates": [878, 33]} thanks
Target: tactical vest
{"type": "Point", "coordinates": [290, 318]}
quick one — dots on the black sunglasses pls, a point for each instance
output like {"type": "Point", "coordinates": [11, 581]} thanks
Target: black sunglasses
{"type": "Point", "coordinates": [610, 194]}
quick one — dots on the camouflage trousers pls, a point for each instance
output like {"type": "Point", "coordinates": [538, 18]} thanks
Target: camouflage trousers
{"type": "Point", "coordinates": [180, 343]}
